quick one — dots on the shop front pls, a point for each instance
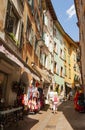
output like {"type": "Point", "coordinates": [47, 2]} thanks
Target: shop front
{"type": "Point", "coordinates": [46, 79]}
{"type": "Point", "coordinates": [68, 88]}
{"type": "Point", "coordinates": [13, 71]}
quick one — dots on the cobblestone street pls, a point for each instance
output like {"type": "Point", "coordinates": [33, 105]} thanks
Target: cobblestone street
{"type": "Point", "coordinates": [66, 119]}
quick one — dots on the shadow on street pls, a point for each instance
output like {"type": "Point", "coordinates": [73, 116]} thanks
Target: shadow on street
{"type": "Point", "coordinates": [75, 119]}
{"type": "Point", "coordinates": [25, 124]}
{"type": "Point", "coordinates": [46, 107]}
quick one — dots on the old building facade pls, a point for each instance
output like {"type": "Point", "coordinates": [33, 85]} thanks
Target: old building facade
{"type": "Point", "coordinates": [58, 59]}
{"type": "Point", "coordinates": [10, 47]}
{"type": "Point", "coordinates": [80, 11]}
{"type": "Point", "coordinates": [32, 46]}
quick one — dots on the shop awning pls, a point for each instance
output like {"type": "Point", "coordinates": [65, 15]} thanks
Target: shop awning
{"type": "Point", "coordinates": [10, 56]}
{"type": "Point", "coordinates": [44, 74]}
{"type": "Point", "coordinates": [19, 62]}
{"type": "Point", "coordinates": [69, 85]}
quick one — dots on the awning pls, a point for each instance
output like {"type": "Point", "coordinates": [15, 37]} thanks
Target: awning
{"type": "Point", "coordinates": [44, 74]}
{"type": "Point", "coordinates": [10, 56]}
{"type": "Point", "coordinates": [22, 64]}
{"type": "Point", "coordinates": [69, 85]}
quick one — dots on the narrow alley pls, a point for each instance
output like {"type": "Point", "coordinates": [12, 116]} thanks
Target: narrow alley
{"type": "Point", "coordinates": [65, 119]}
{"type": "Point", "coordinates": [42, 63]}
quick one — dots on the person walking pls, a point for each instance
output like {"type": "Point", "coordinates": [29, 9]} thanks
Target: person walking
{"type": "Point", "coordinates": [50, 97]}
{"type": "Point", "coordinates": [55, 102]}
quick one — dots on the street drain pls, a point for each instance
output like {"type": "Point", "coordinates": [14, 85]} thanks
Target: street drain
{"type": "Point", "coordinates": [50, 126]}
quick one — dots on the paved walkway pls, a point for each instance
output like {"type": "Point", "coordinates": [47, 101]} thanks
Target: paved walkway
{"type": "Point", "coordinates": [66, 119]}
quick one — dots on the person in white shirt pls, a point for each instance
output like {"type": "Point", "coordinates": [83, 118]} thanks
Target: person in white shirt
{"type": "Point", "coordinates": [55, 102]}
{"type": "Point", "coordinates": [50, 97]}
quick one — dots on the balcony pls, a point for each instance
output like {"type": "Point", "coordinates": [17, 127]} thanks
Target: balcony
{"type": "Point", "coordinates": [43, 46]}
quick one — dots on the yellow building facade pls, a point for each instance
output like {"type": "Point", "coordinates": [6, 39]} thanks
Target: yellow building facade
{"type": "Point", "coordinates": [72, 70]}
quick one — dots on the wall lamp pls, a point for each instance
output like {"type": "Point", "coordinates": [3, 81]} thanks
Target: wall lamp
{"type": "Point", "coordinates": [32, 64]}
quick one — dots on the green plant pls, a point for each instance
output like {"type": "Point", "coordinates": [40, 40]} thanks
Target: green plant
{"type": "Point", "coordinates": [13, 38]}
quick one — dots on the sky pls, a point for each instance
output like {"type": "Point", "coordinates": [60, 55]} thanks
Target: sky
{"type": "Point", "coordinates": [66, 14]}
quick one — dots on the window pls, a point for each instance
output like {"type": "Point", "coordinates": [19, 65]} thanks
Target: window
{"type": "Point", "coordinates": [21, 2]}
{"type": "Point", "coordinates": [61, 53]}
{"type": "Point", "coordinates": [55, 47]}
{"type": "Point", "coordinates": [11, 19]}
{"type": "Point", "coordinates": [29, 31]}
{"type": "Point", "coordinates": [37, 20]}
{"type": "Point", "coordinates": [61, 72]}
{"type": "Point", "coordinates": [74, 67]}
{"type": "Point", "coordinates": [69, 73]}
{"type": "Point", "coordinates": [21, 38]}
{"type": "Point", "coordinates": [55, 68]}
{"type": "Point", "coordinates": [39, 4]}
{"type": "Point", "coordinates": [65, 55]}
{"type": "Point", "coordinates": [36, 48]}
{"type": "Point", "coordinates": [69, 59]}
{"type": "Point", "coordinates": [40, 54]}
{"type": "Point", "coordinates": [65, 71]}
{"type": "Point", "coordinates": [45, 20]}
{"type": "Point", "coordinates": [13, 24]}
{"type": "Point", "coordinates": [31, 3]}
{"type": "Point", "coordinates": [45, 60]}
{"type": "Point", "coordinates": [27, 59]}
{"type": "Point", "coordinates": [54, 32]}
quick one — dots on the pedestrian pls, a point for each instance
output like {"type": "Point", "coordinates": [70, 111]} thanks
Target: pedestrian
{"type": "Point", "coordinates": [55, 102]}
{"type": "Point", "coordinates": [50, 96]}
